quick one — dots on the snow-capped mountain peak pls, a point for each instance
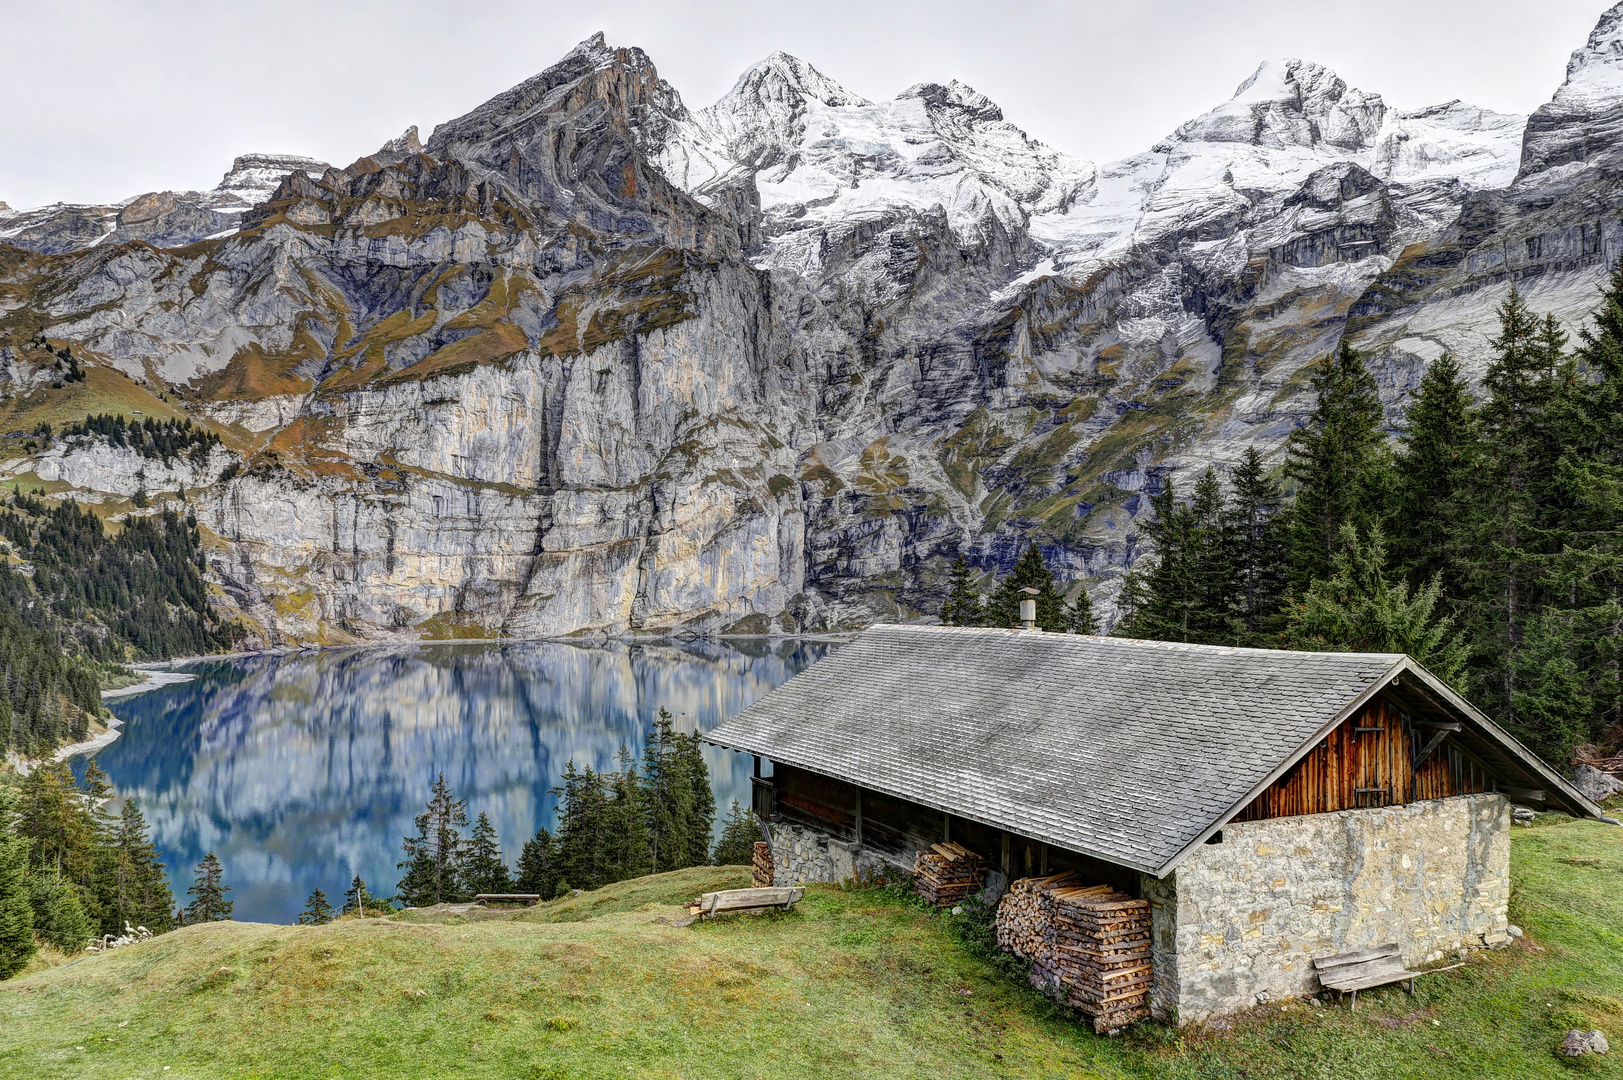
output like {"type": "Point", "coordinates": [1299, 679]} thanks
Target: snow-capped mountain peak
{"type": "Point", "coordinates": [1595, 72]}
{"type": "Point", "coordinates": [253, 177]}
{"type": "Point", "coordinates": [1291, 102]}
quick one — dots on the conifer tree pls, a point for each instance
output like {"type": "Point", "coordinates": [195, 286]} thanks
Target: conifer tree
{"type": "Point", "coordinates": [208, 893]}
{"type": "Point", "coordinates": [964, 606]}
{"type": "Point", "coordinates": [139, 893]}
{"type": "Point", "coordinates": [668, 799]}
{"type": "Point", "coordinates": [582, 852]}
{"type": "Point", "coordinates": [739, 831]}
{"type": "Point", "coordinates": [1337, 462]}
{"type": "Point", "coordinates": [434, 855]}
{"type": "Point", "coordinates": [17, 944]}
{"type": "Point", "coordinates": [1257, 551]}
{"type": "Point", "coordinates": [1079, 617]}
{"type": "Point", "coordinates": [357, 900]}
{"type": "Point", "coordinates": [537, 869]}
{"type": "Point", "coordinates": [59, 917]}
{"type": "Point", "coordinates": [1029, 571]}
{"type": "Point", "coordinates": [701, 800]}
{"type": "Point", "coordinates": [482, 869]}
{"type": "Point", "coordinates": [317, 912]}
{"type": "Point", "coordinates": [1433, 472]}
{"type": "Point", "coordinates": [1162, 589]}
{"type": "Point", "coordinates": [625, 822]}
{"type": "Point", "coordinates": [1358, 609]}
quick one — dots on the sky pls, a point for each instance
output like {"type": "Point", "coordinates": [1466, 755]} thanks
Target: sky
{"type": "Point", "coordinates": [104, 99]}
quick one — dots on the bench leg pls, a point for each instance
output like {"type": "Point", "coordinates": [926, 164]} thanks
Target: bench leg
{"type": "Point", "coordinates": [1355, 1001]}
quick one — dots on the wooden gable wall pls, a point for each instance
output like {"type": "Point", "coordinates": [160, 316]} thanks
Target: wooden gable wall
{"type": "Point", "coordinates": [1367, 761]}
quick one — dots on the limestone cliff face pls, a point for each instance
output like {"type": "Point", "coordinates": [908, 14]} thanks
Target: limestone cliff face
{"type": "Point", "coordinates": [587, 361]}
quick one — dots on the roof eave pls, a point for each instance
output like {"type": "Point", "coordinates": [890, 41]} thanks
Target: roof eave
{"type": "Point", "coordinates": [1375, 687]}
{"type": "Point", "coordinates": [1573, 799]}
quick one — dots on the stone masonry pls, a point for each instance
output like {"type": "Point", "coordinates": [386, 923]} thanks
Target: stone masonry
{"type": "Point", "coordinates": [1239, 922]}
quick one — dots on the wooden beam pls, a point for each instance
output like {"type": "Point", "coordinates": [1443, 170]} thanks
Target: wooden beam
{"type": "Point", "coordinates": [1437, 736]}
{"type": "Point", "coordinates": [1524, 794]}
{"type": "Point", "coordinates": [857, 813]}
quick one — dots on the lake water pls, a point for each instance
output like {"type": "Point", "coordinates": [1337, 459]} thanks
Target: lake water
{"type": "Point", "coordinates": [301, 771]}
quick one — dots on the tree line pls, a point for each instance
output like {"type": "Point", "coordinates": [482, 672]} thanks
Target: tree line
{"type": "Point", "coordinates": [85, 599]}
{"type": "Point", "coordinates": [151, 438]}
{"type": "Point", "coordinates": [1485, 540]}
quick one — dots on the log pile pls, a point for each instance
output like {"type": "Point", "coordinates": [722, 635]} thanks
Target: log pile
{"type": "Point", "coordinates": [947, 873]}
{"type": "Point", "coordinates": [761, 867]}
{"type": "Point", "coordinates": [1089, 945]}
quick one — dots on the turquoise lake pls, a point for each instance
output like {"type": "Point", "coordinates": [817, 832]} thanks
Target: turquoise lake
{"type": "Point", "coordinates": [300, 771]}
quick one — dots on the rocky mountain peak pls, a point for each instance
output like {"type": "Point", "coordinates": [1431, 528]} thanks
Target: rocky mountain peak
{"type": "Point", "coordinates": [1291, 102]}
{"type": "Point", "coordinates": [405, 143]}
{"type": "Point", "coordinates": [1583, 122]}
{"type": "Point", "coordinates": [253, 177]}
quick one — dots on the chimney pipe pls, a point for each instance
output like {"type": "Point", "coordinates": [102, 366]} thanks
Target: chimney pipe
{"type": "Point", "coordinates": [1028, 609]}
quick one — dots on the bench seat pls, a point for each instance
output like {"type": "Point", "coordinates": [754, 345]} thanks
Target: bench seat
{"type": "Point", "coordinates": [716, 903]}
{"type": "Point", "coordinates": [1365, 969]}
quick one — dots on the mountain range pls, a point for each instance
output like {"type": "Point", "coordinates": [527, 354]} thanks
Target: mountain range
{"type": "Point", "coordinates": [586, 360]}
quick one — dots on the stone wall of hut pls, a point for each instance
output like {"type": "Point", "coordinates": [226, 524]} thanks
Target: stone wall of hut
{"type": "Point", "coordinates": [1239, 922]}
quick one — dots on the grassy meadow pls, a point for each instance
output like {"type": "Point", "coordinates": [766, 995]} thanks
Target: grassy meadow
{"type": "Point", "coordinates": [851, 984]}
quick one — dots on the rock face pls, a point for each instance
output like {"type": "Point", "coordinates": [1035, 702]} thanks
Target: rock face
{"type": "Point", "coordinates": [587, 360]}
{"type": "Point", "coordinates": [1581, 1043]}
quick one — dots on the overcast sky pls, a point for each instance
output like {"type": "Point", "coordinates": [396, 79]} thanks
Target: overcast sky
{"type": "Point", "coordinates": [103, 99]}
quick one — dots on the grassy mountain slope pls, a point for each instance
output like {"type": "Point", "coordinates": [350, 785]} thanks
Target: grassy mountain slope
{"type": "Point", "coordinates": [853, 984]}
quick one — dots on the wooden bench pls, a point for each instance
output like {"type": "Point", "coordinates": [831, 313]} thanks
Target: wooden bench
{"type": "Point", "coordinates": [712, 904]}
{"type": "Point", "coordinates": [527, 899]}
{"type": "Point", "coordinates": [1364, 970]}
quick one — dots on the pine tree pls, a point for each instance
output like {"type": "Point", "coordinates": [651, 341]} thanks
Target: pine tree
{"type": "Point", "coordinates": [208, 893]}
{"type": "Point", "coordinates": [1358, 609]}
{"type": "Point", "coordinates": [317, 912]}
{"type": "Point", "coordinates": [664, 793]}
{"type": "Point", "coordinates": [739, 831]}
{"type": "Point", "coordinates": [435, 853]}
{"type": "Point", "coordinates": [1337, 461]}
{"type": "Point", "coordinates": [1029, 572]}
{"type": "Point", "coordinates": [1552, 705]}
{"type": "Point", "coordinates": [357, 901]}
{"type": "Point", "coordinates": [537, 869]}
{"type": "Point", "coordinates": [964, 606]}
{"type": "Point", "coordinates": [581, 853]}
{"type": "Point", "coordinates": [1209, 615]}
{"type": "Point", "coordinates": [17, 945]}
{"type": "Point", "coordinates": [482, 869]}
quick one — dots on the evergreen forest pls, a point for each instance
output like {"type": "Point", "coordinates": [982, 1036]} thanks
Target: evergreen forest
{"type": "Point", "coordinates": [76, 599]}
{"type": "Point", "coordinates": [1484, 537]}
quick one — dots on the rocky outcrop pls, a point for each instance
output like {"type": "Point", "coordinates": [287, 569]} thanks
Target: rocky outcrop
{"type": "Point", "coordinates": [588, 361]}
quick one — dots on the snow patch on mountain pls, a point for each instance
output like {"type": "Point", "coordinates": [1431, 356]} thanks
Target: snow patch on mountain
{"type": "Point", "coordinates": [1595, 72]}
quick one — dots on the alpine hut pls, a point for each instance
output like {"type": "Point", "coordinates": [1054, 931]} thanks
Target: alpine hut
{"type": "Point", "coordinates": [1270, 806]}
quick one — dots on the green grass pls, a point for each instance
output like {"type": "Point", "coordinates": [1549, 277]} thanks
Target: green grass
{"type": "Point", "coordinates": [851, 984]}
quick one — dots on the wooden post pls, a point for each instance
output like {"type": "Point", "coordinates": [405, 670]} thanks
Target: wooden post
{"type": "Point", "coordinates": [1008, 856]}
{"type": "Point", "coordinates": [946, 828]}
{"type": "Point", "coordinates": [858, 815]}
{"type": "Point", "coordinates": [1043, 850]}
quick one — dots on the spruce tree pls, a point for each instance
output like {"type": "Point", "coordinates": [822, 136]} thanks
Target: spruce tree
{"type": "Point", "coordinates": [537, 866]}
{"type": "Point", "coordinates": [357, 901]}
{"type": "Point", "coordinates": [482, 868]}
{"type": "Point", "coordinates": [625, 822]}
{"type": "Point", "coordinates": [1079, 617]}
{"type": "Point", "coordinates": [1358, 608]}
{"type": "Point", "coordinates": [739, 831]}
{"type": "Point", "coordinates": [59, 917]}
{"type": "Point", "coordinates": [701, 800]}
{"type": "Point", "coordinates": [1433, 472]}
{"type": "Point", "coordinates": [1029, 572]}
{"type": "Point", "coordinates": [317, 912]}
{"type": "Point", "coordinates": [434, 855]}
{"type": "Point", "coordinates": [665, 794]}
{"type": "Point", "coordinates": [1337, 461]}
{"type": "Point", "coordinates": [17, 945]}
{"type": "Point", "coordinates": [140, 894]}
{"type": "Point", "coordinates": [1209, 616]}
{"type": "Point", "coordinates": [208, 893]}
{"type": "Point", "coordinates": [964, 606]}
{"type": "Point", "coordinates": [582, 801]}
{"type": "Point", "coordinates": [1257, 559]}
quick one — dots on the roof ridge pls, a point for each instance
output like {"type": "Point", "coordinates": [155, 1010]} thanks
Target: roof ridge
{"type": "Point", "coordinates": [1039, 634]}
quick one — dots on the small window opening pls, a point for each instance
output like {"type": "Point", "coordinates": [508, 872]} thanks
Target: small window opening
{"type": "Point", "coordinates": [1216, 837]}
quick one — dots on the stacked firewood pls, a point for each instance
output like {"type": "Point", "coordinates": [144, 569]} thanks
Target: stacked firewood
{"type": "Point", "coordinates": [1089, 945]}
{"type": "Point", "coordinates": [761, 868]}
{"type": "Point", "coordinates": [1025, 912]}
{"type": "Point", "coordinates": [1102, 956]}
{"type": "Point", "coordinates": [947, 873]}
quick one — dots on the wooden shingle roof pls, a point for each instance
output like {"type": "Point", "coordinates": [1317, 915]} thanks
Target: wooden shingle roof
{"type": "Point", "coordinates": [1124, 750]}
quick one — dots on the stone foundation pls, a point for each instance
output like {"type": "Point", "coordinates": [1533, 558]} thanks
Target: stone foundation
{"type": "Point", "coordinates": [801, 855]}
{"type": "Point", "coordinates": [1239, 922]}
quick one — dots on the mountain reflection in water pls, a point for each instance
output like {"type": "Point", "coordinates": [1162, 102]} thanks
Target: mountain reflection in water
{"type": "Point", "coordinates": [301, 771]}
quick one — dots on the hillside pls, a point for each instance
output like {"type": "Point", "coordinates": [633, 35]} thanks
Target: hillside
{"type": "Point", "coordinates": [587, 359]}
{"type": "Point", "coordinates": [854, 984]}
